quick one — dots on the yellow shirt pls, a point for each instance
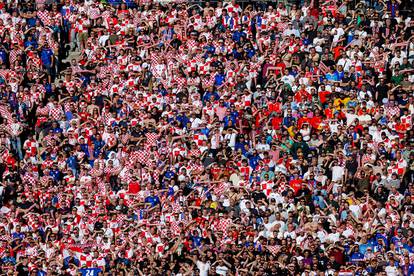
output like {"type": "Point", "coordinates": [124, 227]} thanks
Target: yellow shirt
{"type": "Point", "coordinates": [291, 132]}
{"type": "Point", "coordinates": [338, 101]}
{"type": "Point", "coordinates": [214, 205]}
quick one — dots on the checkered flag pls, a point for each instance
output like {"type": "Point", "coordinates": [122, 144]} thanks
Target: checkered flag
{"type": "Point", "coordinates": [323, 68]}
{"type": "Point", "coordinates": [274, 249]}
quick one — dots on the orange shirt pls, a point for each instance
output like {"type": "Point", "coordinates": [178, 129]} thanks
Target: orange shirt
{"type": "Point", "coordinates": [337, 52]}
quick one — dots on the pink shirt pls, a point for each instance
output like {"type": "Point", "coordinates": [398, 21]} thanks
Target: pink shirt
{"type": "Point", "coordinates": [221, 112]}
{"type": "Point", "coordinates": [275, 155]}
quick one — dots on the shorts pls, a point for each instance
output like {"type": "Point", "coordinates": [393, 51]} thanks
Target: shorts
{"type": "Point", "coordinates": [83, 36]}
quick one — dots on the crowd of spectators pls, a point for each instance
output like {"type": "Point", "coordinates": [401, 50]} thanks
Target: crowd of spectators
{"type": "Point", "coordinates": [145, 137]}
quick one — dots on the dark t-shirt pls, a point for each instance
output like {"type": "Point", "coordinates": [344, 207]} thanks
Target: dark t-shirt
{"type": "Point", "coordinates": [402, 101]}
{"type": "Point", "coordinates": [258, 196]}
{"type": "Point", "coordinates": [382, 92]}
{"type": "Point", "coordinates": [22, 270]}
{"type": "Point", "coordinates": [25, 205]}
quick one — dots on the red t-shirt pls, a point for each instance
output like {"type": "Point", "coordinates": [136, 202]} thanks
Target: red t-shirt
{"type": "Point", "coordinates": [337, 52]}
{"type": "Point", "coordinates": [316, 121]}
{"type": "Point", "coordinates": [401, 127]}
{"type": "Point", "coordinates": [134, 188]}
{"type": "Point", "coordinates": [282, 65]}
{"type": "Point", "coordinates": [323, 95]}
{"type": "Point", "coordinates": [329, 113]}
{"type": "Point", "coordinates": [302, 95]}
{"type": "Point", "coordinates": [303, 120]}
{"type": "Point", "coordinates": [84, 116]}
{"type": "Point", "coordinates": [359, 128]}
{"type": "Point", "coordinates": [296, 184]}
{"type": "Point", "coordinates": [277, 122]}
{"type": "Point", "coordinates": [274, 107]}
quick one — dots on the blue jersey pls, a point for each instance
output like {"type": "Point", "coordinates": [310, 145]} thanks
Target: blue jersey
{"type": "Point", "coordinates": [153, 200]}
{"type": "Point", "coordinates": [90, 271]}
{"type": "Point", "coordinates": [46, 56]}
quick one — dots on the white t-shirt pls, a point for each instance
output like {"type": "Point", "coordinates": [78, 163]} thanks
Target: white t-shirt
{"type": "Point", "coordinates": [396, 59]}
{"type": "Point", "coordinates": [333, 237]}
{"type": "Point", "coordinates": [277, 197]}
{"type": "Point", "coordinates": [321, 235]}
{"type": "Point", "coordinates": [318, 40]}
{"type": "Point", "coordinates": [391, 270]}
{"type": "Point", "coordinates": [289, 79]}
{"type": "Point", "coordinates": [350, 118]}
{"type": "Point", "coordinates": [333, 126]}
{"type": "Point", "coordinates": [300, 239]}
{"type": "Point", "coordinates": [345, 62]}
{"type": "Point", "coordinates": [263, 147]}
{"type": "Point", "coordinates": [376, 134]}
{"type": "Point", "coordinates": [337, 173]}
{"type": "Point", "coordinates": [231, 137]}
{"type": "Point", "coordinates": [290, 234]}
{"type": "Point", "coordinates": [203, 267]}
{"type": "Point", "coordinates": [243, 206]}
{"type": "Point", "coordinates": [215, 141]}
{"type": "Point", "coordinates": [365, 119]}
{"type": "Point", "coordinates": [222, 270]}
{"type": "Point", "coordinates": [4, 210]}
{"type": "Point", "coordinates": [337, 33]}
{"type": "Point", "coordinates": [270, 225]}
{"type": "Point", "coordinates": [356, 210]}
{"type": "Point", "coordinates": [195, 122]}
